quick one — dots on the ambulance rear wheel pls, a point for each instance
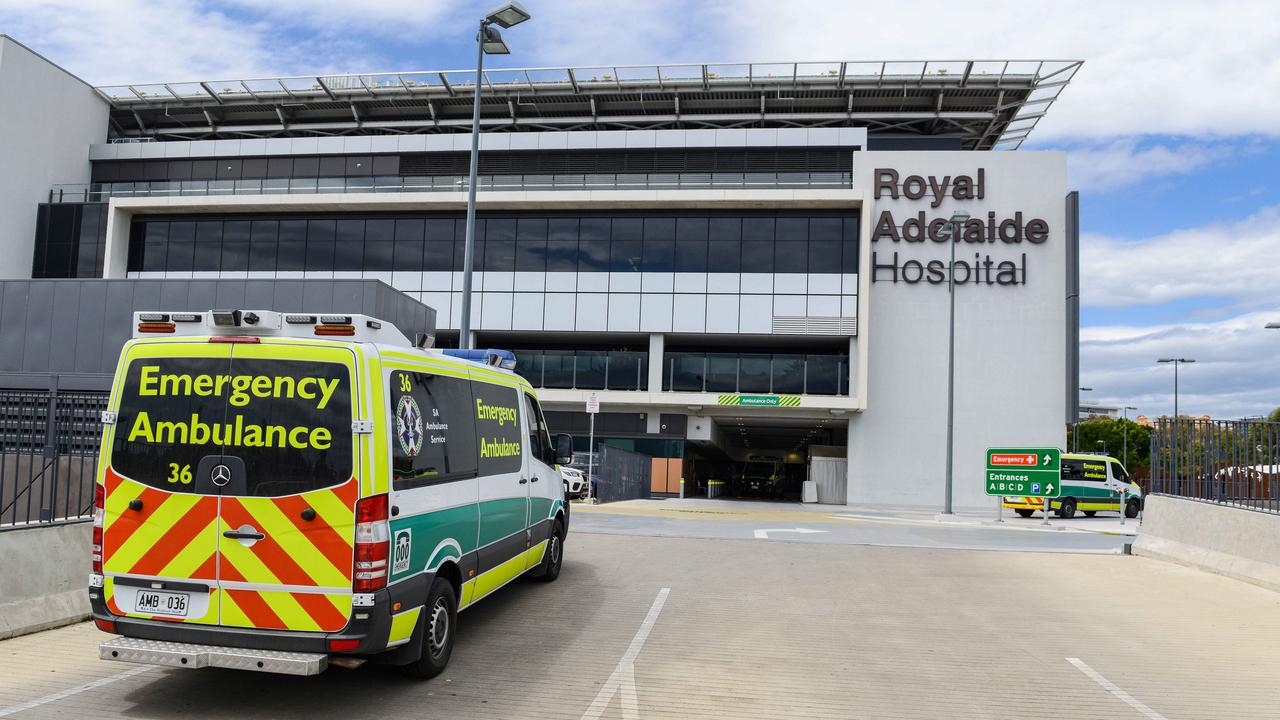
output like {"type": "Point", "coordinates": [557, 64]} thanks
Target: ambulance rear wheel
{"type": "Point", "coordinates": [1023, 512]}
{"type": "Point", "coordinates": [438, 629]}
{"type": "Point", "coordinates": [552, 557]}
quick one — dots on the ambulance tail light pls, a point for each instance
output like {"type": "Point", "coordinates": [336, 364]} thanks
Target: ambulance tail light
{"type": "Point", "coordinates": [99, 501]}
{"type": "Point", "coordinates": [373, 544]}
{"type": "Point", "coordinates": [156, 327]}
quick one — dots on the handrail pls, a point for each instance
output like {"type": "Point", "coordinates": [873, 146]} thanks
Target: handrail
{"type": "Point", "coordinates": [102, 192]}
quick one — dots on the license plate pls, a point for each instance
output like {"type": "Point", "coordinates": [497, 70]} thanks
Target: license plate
{"type": "Point", "coordinates": [161, 603]}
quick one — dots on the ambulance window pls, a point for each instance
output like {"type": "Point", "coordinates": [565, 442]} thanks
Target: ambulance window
{"type": "Point", "coordinates": [433, 436]}
{"type": "Point", "coordinates": [288, 421]}
{"type": "Point", "coordinates": [153, 442]}
{"type": "Point", "coordinates": [305, 418]}
{"type": "Point", "coordinates": [498, 428]}
{"type": "Point", "coordinates": [539, 438]}
{"type": "Point", "coordinates": [1070, 469]}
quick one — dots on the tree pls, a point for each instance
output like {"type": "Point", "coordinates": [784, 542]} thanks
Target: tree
{"type": "Point", "coordinates": [1111, 433]}
{"type": "Point", "coordinates": [1274, 416]}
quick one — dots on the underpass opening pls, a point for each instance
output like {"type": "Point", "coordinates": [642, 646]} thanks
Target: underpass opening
{"type": "Point", "coordinates": [767, 458]}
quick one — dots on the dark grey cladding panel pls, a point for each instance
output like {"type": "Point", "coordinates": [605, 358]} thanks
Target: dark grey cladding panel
{"type": "Point", "coordinates": [74, 329]}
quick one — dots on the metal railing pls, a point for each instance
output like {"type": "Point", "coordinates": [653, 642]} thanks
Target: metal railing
{"type": "Point", "coordinates": [1231, 462]}
{"type": "Point", "coordinates": [48, 456]}
{"type": "Point", "coordinates": [102, 192]}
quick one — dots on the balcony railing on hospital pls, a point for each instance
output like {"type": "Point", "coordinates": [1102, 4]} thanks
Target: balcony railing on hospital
{"type": "Point", "coordinates": [104, 191]}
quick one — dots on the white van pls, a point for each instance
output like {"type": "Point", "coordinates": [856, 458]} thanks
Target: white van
{"type": "Point", "coordinates": [276, 490]}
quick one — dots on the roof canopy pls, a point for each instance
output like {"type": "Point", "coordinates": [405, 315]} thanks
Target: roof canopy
{"type": "Point", "coordinates": [988, 104]}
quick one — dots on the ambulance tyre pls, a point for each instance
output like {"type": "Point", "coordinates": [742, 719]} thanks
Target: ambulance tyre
{"type": "Point", "coordinates": [1090, 513]}
{"type": "Point", "coordinates": [1132, 507]}
{"type": "Point", "coordinates": [1067, 509]}
{"type": "Point", "coordinates": [553, 557]}
{"type": "Point", "coordinates": [440, 621]}
{"type": "Point", "coordinates": [1024, 512]}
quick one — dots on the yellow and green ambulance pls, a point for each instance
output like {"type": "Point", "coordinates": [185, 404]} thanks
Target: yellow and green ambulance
{"type": "Point", "coordinates": [1090, 484]}
{"type": "Point", "coordinates": [281, 491]}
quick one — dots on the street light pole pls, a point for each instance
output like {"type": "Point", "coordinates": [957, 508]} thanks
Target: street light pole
{"type": "Point", "coordinates": [957, 220]}
{"type": "Point", "coordinates": [488, 40]}
{"type": "Point", "coordinates": [1176, 423]}
{"type": "Point", "coordinates": [1075, 433]}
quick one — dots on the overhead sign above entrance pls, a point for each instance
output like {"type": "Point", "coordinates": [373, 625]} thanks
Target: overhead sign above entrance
{"type": "Point", "coordinates": [1024, 472]}
{"type": "Point", "coordinates": [760, 400]}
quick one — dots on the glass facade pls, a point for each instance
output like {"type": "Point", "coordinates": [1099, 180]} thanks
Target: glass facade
{"type": "Point", "coordinates": [70, 238]}
{"type": "Point", "coordinates": [766, 242]}
{"type": "Point", "coordinates": [780, 373]}
{"type": "Point", "coordinates": [584, 369]}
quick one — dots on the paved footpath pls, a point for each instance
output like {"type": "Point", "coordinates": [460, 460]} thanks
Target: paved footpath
{"type": "Point", "coordinates": [673, 627]}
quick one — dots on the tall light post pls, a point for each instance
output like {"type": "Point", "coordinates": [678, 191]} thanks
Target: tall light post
{"type": "Point", "coordinates": [489, 41]}
{"type": "Point", "coordinates": [1176, 434]}
{"type": "Point", "coordinates": [1075, 434]}
{"type": "Point", "coordinates": [952, 229]}
{"type": "Point", "coordinates": [1127, 408]}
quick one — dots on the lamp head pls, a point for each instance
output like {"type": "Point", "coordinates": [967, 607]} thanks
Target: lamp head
{"type": "Point", "coordinates": [507, 15]}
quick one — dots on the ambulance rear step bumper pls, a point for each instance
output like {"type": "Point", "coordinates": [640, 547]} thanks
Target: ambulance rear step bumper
{"type": "Point", "coordinates": [188, 655]}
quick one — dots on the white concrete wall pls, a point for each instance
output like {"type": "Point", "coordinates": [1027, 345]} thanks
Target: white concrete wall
{"type": "Point", "coordinates": [1010, 341]}
{"type": "Point", "coordinates": [1243, 544]}
{"type": "Point", "coordinates": [48, 119]}
{"type": "Point", "coordinates": [44, 577]}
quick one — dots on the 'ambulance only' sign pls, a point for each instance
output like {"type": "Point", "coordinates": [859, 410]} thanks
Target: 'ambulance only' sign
{"type": "Point", "coordinates": [1024, 472]}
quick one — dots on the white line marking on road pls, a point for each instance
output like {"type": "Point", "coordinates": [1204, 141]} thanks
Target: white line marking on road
{"type": "Point", "coordinates": [61, 695]}
{"type": "Point", "coordinates": [1115, 690]}
{"type": "Point", "coordinates": [764, 534]}
{"type": "Point", "coordinates": [623, 678]}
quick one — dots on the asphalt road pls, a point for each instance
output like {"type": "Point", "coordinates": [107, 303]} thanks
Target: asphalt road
{"type": "Point", "coordinates": [640, 626]}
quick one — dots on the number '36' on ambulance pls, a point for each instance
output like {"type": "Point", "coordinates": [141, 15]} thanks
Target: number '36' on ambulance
{"type": "Point", "coordinates": [281, 492]}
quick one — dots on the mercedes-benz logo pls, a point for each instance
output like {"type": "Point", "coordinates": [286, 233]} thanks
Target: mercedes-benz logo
{"type": "Point", "coordinates": [220, 475]}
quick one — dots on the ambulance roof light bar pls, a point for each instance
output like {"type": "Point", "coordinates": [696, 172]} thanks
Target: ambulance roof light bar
{"type": "Point", "coordinates": [250, 325]}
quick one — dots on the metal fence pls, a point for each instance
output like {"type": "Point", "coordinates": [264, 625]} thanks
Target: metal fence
{"type": "Point", "coordinates": [1232, 462]}
{"type": "Point", "coordinates": [624, 475]}
{"type": "Point", "coordinates": [48, 456]}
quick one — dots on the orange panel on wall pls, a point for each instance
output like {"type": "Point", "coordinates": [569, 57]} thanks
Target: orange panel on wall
{"type": "Point", "coordinates": [658, 475]}
{"type": "Point", "coordinates": [675, 468]}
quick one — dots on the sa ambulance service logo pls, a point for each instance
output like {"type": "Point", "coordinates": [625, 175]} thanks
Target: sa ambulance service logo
{"type": "Point", "coordinates": [409, 425]}
{"type": "Point", "coordinates": [400, 554]}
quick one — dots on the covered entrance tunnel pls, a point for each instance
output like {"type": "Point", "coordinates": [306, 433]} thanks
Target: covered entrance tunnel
{"type": "Point", "coordinates": [765, 458]}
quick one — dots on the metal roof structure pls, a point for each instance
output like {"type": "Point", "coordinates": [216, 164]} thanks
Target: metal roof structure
{"type": "Point", "coordinates": [987, 104]}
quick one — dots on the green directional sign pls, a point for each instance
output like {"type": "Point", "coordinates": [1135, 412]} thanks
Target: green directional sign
{"type": "Point", "coordinates": [1024, 472]}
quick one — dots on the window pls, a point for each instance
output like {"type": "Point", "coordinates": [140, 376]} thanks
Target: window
{"type": "Point", "coordinates": [321, 239]}
{"type": "Point", "coordinates": [379, 245]}
{"type": "Point", "coordinates": [724, 245]}
{"type": "Point", "coordinates": [659, 244]}
{"type": "Point", "coordinates": [593, 245]}
{"type": "Point", "coordinates": [562, 245]}
{"type": "Point", "coordinates": [691, 245]}
{"type": "Point", "coordinates": [409, 244]}
{"type": "Point", "coordinates": [540, 445]}
{"type": "Point", "coordinates": [288, 445]}
{"type": "Point", "coordinates": [208, 248]}
{"type": "Point", "coordinates": [235, 245]}
{"type": "Point", "coordinates": [293, 246]}
{"type": "Point", "coordinates": [825, 235]}
{"type": "Point", "coordinates": [182, 247]}
{"type": "Point", "coordinates": [792, 251]}
{"type": "Point", "coordinates": [348, 251]}
{"type": "Point", "coordinates": [438, 255]}
{"type": "Point", "coordinates": [433, 427]}
{"type": "Point", "coordinates": [1094, 470]}
{"type": "Point", "coordinates": [262, 245]}
{"type": "Point", "coordinates": [155, 247]}
{"type": "Point", "coordinates": [1071, 470]}
{"type": "Point", "coordinates": [625, 248]}
{"type": "Point", "coordinates": [498, 429]}
{"type": "Point", "coordinates": [499, 245]}
{"type": "Point", "coordinates": [531, 245]}
{"type": "Point", "coordinates": [849, 246]}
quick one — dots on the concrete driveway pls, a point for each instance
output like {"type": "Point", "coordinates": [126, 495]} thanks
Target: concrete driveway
{"type": "Point", "coordinates": [643, 626]}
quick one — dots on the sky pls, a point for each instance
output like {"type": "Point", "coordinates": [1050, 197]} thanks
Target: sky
{"type": "Point", "coordinates": [1172, 126]}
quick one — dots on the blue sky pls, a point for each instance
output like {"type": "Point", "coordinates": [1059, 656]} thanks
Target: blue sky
{"type": "Point", "coordinates": [1172, 126]}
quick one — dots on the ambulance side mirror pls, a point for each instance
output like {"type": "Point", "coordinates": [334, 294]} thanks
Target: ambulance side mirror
{"type": "Point", "coordinates": [564, 449]}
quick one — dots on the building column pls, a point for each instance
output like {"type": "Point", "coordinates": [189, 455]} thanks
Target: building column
{"type": "Point", "coordinates": [656, 345]}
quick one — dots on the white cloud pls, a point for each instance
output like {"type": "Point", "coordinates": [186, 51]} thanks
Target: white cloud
{"type": "Point", "coordinates": [1235, 373]}
{"type": "Point", "coordinates": [1099, 167]}
{"type": "Point", "coordinates": [1235, 259]}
